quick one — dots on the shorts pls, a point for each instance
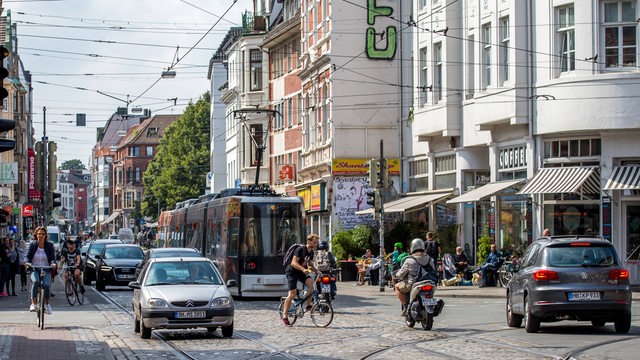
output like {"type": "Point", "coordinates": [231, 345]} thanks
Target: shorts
{"type": "Point", "coordinates": [403, 286]}
{"type": "Point", "coordinates": [294, 277]}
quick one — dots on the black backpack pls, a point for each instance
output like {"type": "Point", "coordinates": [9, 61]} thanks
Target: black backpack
{"type": "Point", "coordinates": [288, 256]}
{"type": "Point", "coordinates": [432, 249]}
{"type": "Point", "coordinates": [426, 272]}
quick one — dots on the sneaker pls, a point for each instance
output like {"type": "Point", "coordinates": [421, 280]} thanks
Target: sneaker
{"type": "Point", "coordinates": [47, 309]}
{"type": "Point", "coordinates": [285, 321]}
{"type": "Point", "coordinates": [3, 294]}
{"type": "Point", "coordinates": [32, 308]}
{"type": "Point", "coordinates": [82, 290]}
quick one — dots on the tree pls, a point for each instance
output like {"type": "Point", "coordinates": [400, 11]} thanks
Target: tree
{"type": "Point", "coordinates": [73, 164]}
{"type": "Point", "coordinates": [179, 169]}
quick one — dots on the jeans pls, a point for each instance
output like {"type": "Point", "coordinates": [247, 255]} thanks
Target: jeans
{"type": "Point", "coordinates": [487, 271]}
{"type": "Point", "coordinates": [46, 283]}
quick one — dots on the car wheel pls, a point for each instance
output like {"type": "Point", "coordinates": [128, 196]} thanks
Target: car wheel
{"type": "Point", "coordinates": [145, 332]}
{"type": "Point", "coordinates": [227, 331]}
{"type": "Point", "coordinates": [513, 320]}
{"type": "Point", "coordinates": [623, 324]}
{"type": "Point", "coordinates": [99, 283]}
{"type": "Point", "coordinates": [86, 278]}
{"type": "Point", "coordinates": [531, 322]}
{"type": "Point", "coordinates": [136, 324]}
{"type": "Point", "coordinates": [598, 323]}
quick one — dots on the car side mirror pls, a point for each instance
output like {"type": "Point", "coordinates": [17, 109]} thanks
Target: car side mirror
{"type": "Point", "coordinates": [232, 283]}
{"type": "Point", "coordinates": [134, 285]}
{"type": "Point", "coordinates": [98, 257]}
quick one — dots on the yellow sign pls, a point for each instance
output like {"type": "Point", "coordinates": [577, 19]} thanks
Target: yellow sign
{"type": "Point", "coordinates": [359, 166]}
{"type": "Point", "coordinates": [316, 198]}
{"type": "Point", "coordinates": [305, 194]}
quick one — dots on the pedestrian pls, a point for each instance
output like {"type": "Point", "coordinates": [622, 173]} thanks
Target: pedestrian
{"type": "Point", "coordinates": [14, 266]}
{"type": "Point", "coordinates": [22, 258]}
{"type": "Point", "coordinates": [546, 232]}
{"type": "Point", "coordinates": [4, 265]}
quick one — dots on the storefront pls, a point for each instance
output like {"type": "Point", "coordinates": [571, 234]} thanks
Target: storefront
{"type": "Point", "coordinates": [315, 206]}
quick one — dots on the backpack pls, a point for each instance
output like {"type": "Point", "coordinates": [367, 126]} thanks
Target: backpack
{"type": "Point", "coordinates": [432, 249]}
{"type": "Point", "coordinates": [426, 272]}
{"type": "Point", "coordinates": [288, 256]}
{"type": "Point", "coordinates": [323, 263]}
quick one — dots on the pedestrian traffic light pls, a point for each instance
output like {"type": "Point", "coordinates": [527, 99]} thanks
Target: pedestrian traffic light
{"type": "Point", "coordinates": [55, 200]}
{"type": "Point", "coordinates": [371, 197]}
{"type": "Point", "coordinates": [6, 125]}
{"type": "Point", "coordinates": [371, 172]}
{"type": "Point", "coordinates": [4, 53]}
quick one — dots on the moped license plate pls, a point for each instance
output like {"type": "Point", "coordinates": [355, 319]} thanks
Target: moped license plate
{"type": "Point", "coordinates": [326, 288]}
{"type": "Point", "coordinates": [429, 301]}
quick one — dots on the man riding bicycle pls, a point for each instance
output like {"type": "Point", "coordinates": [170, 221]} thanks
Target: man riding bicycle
{"type": "Point", "coordinates": [71, 256]}
{"type": "Point", "coordinates": [298, 270]}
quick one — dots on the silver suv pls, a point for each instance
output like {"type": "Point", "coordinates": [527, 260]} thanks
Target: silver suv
{"type": "Point", "coordinates": [569, 278]}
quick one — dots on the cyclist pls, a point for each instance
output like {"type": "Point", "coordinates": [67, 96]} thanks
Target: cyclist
{"type": "Point", "coordinates": [298, 270]}
{"type": "Point", "coordinates": [71, 256]}
{"type": "Point", "coordinates": [41, 253]}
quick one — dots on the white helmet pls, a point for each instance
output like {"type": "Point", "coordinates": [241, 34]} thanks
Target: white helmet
{"type": "Point", "coordinates": [417, 245]}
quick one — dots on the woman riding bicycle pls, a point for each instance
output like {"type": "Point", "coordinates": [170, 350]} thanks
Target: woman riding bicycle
{"type": "Point", "coordinates": [41, 254]}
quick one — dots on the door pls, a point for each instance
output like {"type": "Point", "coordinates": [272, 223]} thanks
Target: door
{"type": "Point", "coordinates": [630, 253]}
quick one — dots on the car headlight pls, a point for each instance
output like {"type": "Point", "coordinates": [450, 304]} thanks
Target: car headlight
{"type": "Point", "coordinates": [106, 268]}
{"type": "Point", "coordinates": [221, 301]}
{"type": "Point", "coordinates": [154, 302]}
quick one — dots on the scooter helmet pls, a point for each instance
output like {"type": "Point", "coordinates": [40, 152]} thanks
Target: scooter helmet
{"type": "Point", "coordinates": [323, 245]}
{"type": "Point", "coordinates": [417, 245]}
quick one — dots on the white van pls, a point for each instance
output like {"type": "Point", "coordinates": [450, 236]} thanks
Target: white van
{"type": "Point", "coordinates": [126, 235]}
{"type": "Point", "coordinates": [55, 237]}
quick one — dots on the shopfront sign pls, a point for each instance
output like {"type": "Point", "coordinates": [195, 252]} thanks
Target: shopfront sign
{"type": "Point", "coordinates": [317, 197]}
{"type": "Point", "coordinates": [381, 42]}
{"type": "Point", "coordinates": [27, 210]}
{"type": "Point", "coordinates": [606, 218]}
{"type": "Point", "coordinates": [359, 166]}
{"type": "Point", "coordinates": [511, 158]}
{"type": "Point", "coordinates": [9, 173]}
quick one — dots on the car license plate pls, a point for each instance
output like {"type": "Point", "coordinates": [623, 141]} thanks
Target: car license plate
{"type": "Point", "coordinates": [190, 314]}
{"type": "Point", "coordinates": [584, 296]}
{"type": "Point", "coordinates": [126, 276]}
{"type": "Point", "coordinates": [326, 288]}
{"type": "Point", "coordinates": [429, 301]}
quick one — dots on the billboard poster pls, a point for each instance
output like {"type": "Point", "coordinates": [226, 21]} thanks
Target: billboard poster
{"type": "Point", "coordinates": [350, 196]}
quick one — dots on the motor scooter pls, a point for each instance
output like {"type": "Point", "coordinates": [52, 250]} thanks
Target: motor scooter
{"type": "Point", "coordinates": [325, 282]}
{"type": "Point", "coordinates": [423, 306]}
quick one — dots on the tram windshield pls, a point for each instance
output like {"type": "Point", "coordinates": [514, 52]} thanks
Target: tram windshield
{"type": "Point", "coordinates": [269, 229]}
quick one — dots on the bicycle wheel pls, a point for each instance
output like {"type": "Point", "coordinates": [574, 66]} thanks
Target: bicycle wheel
{"type": "Point", "coordinates": [40, 311]}
{"type": "Point", "coordinates": [292, 317]}
{"type": "Point", "coordinates": [79, 295]}
{"type": "Point", "coordinates": [322, 314]}
{"type": "Point", "coordinates": [69, 290]}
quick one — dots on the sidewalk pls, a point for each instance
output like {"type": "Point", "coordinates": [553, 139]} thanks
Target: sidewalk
{"type": "Point", "coordinates": [350, 288]}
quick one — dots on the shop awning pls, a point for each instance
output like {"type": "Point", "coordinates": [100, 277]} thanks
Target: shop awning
{"type": "Point", "coordinates": [483, 191]}
{"type": "Point", "coordinates": [409, 203]}
{"type": "Point", "coordinates": [111, 217]}
{"type": "Point", "coordinates": [624, 178]}
{"type": "Point", "coordinates": [564, 180]}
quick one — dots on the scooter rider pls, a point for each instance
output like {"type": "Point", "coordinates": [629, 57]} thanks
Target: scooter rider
{"type": "Point", "coordinates": [325, 262]}
{"type": "Point", "coordinates": [406, 276]}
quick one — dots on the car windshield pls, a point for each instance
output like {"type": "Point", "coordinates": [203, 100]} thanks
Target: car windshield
{"type": "Point", "coordinates": [175, 253]}
{"type": "Point", "coordinates": [97, 248]}
{"type": "Point", "coordinates": [581, 256]}
{"type": "Point", "coordinates": [180, 273]}
{"type": "Point", "coordinates": [118, 252]}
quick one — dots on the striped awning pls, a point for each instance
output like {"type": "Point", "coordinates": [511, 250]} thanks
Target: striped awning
{"type": "Point", "coordinates": [408, 204]}
{"type": "Point", "coordinates": [111, 217]}
{"type": "Point", "coordinates": [484, 191]}
{"type": "Point", "coordinates": [624, 178]}
{"type": "Point", "coordinates": [564, 180]}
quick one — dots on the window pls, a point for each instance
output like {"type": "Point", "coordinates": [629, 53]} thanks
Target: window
{"type": "Point", "coordinates": [471, 76]}
{"type": "Point", "coordinates": [307, 125]}
{"type": "Point", "coordinates": [437, 73]}
{"type": "Point", "coordinates": [566, 39]}
{"type": "Point", "coordinates": [256, 69]}
{"type": "Point", "coordinates": [134, 151]}
{"type": "Point", "coordinates": [289, 118]}
{"type": "Point", "coordinates": [138, 177]}
{"type": "Point", "coordinates": [486, 56]}
{"type": "Point", "coordinates": [424, 71]}
{"type": "Point", "coordinates": [149, 150]}
{"type": "Point", "coordinates": [572, 148]}
{"type": "Point", "coordinates": [129, 175]}
{"type": "Point", "coordinates": [256, 135]}
{"type": "Point", "coordinates": [325, 113]}
{"type": "Point", "coordinates": [152, 132]}
{"type": "Point", "coordinates": [504, 49]}
{"type": "Point", "coordinates": [620, 33]}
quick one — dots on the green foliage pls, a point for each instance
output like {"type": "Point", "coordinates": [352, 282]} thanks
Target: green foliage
{"type": "Point", "coordinates": [179, 168]}
{"type": "Point", "coordinates": [484, 245]}
{"type": "Point", "coordinates": [73, 164]}
{"type": "Point", "coordinates": [448, 238]}
{"type": "Point", "coordinates": [402, 232]}
{"type": "Point", "coordinates": [352, 243]}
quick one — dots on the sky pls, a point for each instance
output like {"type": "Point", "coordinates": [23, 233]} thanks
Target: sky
{"type": "Point", "coordinates": [93, 56]}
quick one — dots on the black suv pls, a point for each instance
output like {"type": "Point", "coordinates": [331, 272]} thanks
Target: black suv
{"type": "Point", "coordinates": [116, 264]}
{"type": "Point", "coordinates": [90, 264]}
{"type": "Point", "coordinates": [569, 278]}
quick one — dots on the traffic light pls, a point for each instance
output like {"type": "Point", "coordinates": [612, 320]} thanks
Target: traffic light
{"type": "Point", "coordinates": [7, 125]}
{"type": "Point", "coordinates": [39, 163]}
{"type": "Point", "coordinates": [4, 53]}
{"type": "Point", "coordinates": [373, 176]}
{"type": "Point", "coordinates": [53, 169]}
{"type": "Point", "coordinates": [371, 197]}
{"type": "Point", "coordinates": [383, 177]}
{"type": "Point", "coordinates": [55, 200]}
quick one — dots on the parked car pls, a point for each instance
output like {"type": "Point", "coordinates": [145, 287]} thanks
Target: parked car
{"type": "Point", "coordinates": [95, 248]}
{"type": "Point", "coordinates": [181, 293]}
{"type": "Point", "coordinates": [126, 235]}
{"type": "Point", "coordinates": [569, 278]}
{"type": "Point", "coordinates": [167, 252]}
{"type": "Point", "coordinates": [116, 265]}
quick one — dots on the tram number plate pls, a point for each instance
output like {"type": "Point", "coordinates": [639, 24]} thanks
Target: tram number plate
{"type": "Point", "coordinates": [190, 314]}
{"type": "Point", "coordinates": [584, 296]}
{"type": "Point", "coordinates": [326, 288]}
{"type": "Point", "coordinates": [429, 301]}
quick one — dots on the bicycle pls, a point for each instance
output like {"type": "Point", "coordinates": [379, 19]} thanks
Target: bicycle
{"type": "Point", "coordinates": [40, 306]}
{"type": "Point", "coordinates": [71, 287]}
{"type": "Point", "coordinates": [321, 310]}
